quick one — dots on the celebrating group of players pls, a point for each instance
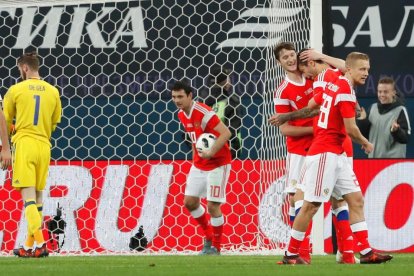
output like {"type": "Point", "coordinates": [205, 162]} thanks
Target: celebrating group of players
{"type": "Point", "coordinates": [315, 108]}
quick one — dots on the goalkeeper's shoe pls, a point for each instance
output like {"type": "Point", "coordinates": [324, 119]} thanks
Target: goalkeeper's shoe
{"type": "Point", "coordinates": [206, 247]}
{"type": "Point", "coordinates": [41, 252]}
{"type": "Point", "coordinates": [23, 253]}
{"type": "Point", "coordinates": [375, 258]}
{"type": "Point", "coordinates": [293, 260]}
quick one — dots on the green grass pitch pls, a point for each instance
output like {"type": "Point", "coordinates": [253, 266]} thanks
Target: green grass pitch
{"type": "Point", "coordinates": [402, 264]}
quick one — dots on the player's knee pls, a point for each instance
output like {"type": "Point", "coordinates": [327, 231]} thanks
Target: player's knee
{"type": "Point", "coordinates": [191, 204]}
{"type": "Point", "coordinates": [213, 208]}
{"type": "Point", "coordinates": [311, 208]}
{"type": "Point", "coordinates": [356, 201]}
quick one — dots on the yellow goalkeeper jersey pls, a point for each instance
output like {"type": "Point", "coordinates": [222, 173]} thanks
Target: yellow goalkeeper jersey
{"type": "Point", "coordinates": [36, 108]}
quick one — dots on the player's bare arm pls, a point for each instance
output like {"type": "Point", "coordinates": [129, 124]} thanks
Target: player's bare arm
{"type": "Point", "coordinates": [224, 136]}
{"type": "Point", "coordinates": [280, 119]}
{"type": "Point", "coordinates": [289, 130]}
{"type": "Point", "coordinates": [353, 131]}
{"type": "Point", "coordinates": [5, 154]}
{"type": "Point", "coordinates": [312, 54]}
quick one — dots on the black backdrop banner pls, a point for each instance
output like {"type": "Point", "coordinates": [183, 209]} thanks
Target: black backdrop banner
{"type": "Point", "coordinates": [382, 29]}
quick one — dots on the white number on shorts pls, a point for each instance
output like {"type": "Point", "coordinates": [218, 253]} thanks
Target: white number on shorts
{"type": "Point", "coordinates": [214, 191]}
{"type": "Point", "coordinates": [324, 111]}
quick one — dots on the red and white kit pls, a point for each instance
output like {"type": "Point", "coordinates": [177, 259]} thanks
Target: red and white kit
{"type": "Point", "coordinates": [292, 96]}
{"type": "Point", "coordinates": [207, 177]}
{"type": "Point", "coordinates": [327, 168]}
{"type": "Point", "coordinates": [326, 77]}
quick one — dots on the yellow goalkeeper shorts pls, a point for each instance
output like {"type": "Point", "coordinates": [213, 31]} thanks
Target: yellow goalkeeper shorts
{"type": "Point", "coordinates": [31, 159]}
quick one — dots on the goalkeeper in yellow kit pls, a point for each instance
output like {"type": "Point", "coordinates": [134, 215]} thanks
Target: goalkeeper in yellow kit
{"type": "Point", "coordinates": [34, 107]}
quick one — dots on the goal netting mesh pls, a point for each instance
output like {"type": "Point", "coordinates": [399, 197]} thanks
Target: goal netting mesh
{"type": "Point", "coordinates": [119, 160]}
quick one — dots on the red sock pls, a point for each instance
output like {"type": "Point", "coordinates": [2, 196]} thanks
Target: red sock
{"type": "Point", "coordinates": [338, 234]}
{"type": "Point", "coordinates": [205, 225]}
{"type": "Point", "coordinates": [217, 230]}
{"type": "Point", "coordinates": [294, 245]}
{"type": "Point", "coordinates": [346, 236]}
{"type": "Point", "coordinates": [363, 244]}
{"type": "Point", "coordinates": [304, 249]}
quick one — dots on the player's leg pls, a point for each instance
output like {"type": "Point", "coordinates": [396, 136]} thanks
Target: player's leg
{"type": "Point", "coordinates": [348, 186]}
{"type": "Point", "coordinates": [343, 230]}
{"type": "Point", "coordinates": [290, 186]}
{"type": "Point", "coordinates": [318, 183]}
{"type": "Point", "coordinates": [296, 173]}
{"type": "Point", "coordinates": [24, 181]}
{"type": "Point", "coordinates": [216, 195]}
{"type": "Point", "coordinates": [42, 169]}
{"type": "Point", "coordinates": [305, 247]}
{"type": "Point", "coordinates": [194, 190]}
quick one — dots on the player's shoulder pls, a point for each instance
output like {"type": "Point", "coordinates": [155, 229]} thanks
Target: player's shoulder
{"type": "Point", "coordinates": [201, 108]}
{"type": "Point", "coordinates": [282, 88]}
{"type": "Point", "coordinates": [343, 83]}
{"type": "Point", "coordinates": [50, 87]}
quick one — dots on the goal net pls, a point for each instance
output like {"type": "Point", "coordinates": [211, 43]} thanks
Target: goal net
{"type": "Point", "coordinates": [119, 160]}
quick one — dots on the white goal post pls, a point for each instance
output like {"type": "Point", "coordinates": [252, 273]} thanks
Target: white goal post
{"type": "Point", "coordinates": [119, 159]}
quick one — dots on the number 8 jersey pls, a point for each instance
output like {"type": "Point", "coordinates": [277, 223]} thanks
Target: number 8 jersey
{"type": "Point", "coordinates": [336, 103]}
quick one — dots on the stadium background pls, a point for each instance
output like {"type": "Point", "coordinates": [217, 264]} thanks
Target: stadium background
{"type": "Point", "coordinates": [117, 106]}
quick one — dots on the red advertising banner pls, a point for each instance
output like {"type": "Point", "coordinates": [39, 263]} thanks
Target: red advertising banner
{"type": "Point", "coordinates": [104, 203]}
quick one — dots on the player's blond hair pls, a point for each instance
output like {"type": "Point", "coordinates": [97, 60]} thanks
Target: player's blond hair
{"type": "Point", "coordinates": [354, 56]}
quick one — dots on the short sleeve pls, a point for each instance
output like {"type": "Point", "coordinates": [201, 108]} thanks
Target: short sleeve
{"type": "Point", "coordinates": [212, 123]}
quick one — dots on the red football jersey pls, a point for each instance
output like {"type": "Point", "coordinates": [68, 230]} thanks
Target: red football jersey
{"type": "Point", "coordinates": [202, 119]}
{"type": "Point", "coordinates": [327, 76]}
{"type": "Point", "coordinates": [292, 96]}
{"type": "Point", "coordinates": [337, 102]}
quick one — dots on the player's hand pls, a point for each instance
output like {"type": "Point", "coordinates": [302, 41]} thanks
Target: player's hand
{"type": "Point", "coordinates": [362, 114]}
{"type": "Point", "coordinates": [310, 54]}
{"type": "Point", "coordinates": [205, 154]}
{"type": "Point", "coordinates": [278, 119]}
{"type": "Point", "coordinates": [368, 147]}
{"type": "Point", "coordinates": [395, 126]}
{"type": "Point", "coordinates": [5, 158]}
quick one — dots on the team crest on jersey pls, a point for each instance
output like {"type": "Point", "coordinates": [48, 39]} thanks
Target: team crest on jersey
{"type": "Point", "coordinates": [197, 124]}
{"type": "Point", "coordinates": [293, 183]}
{"type": "Point", "coordinates": [326, 191]}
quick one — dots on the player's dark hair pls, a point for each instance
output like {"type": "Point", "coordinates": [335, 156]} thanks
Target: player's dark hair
{"type": "Point", "coordinates": [386, 80]}
{"type": "Point", "coordinates": [182, 85]}
{"type": "Point", "coordinates": [31, 59]}
{"type": "Point", "coordinates": [305, 62]}
{"type": "Point", "coordinates": [283, 46]}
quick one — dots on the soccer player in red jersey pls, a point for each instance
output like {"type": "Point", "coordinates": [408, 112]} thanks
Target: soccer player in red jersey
{"type": "Point", "coordinates": [328, 171]}
{"type": "Point", "coordinates": [294, 94]}
{"type": "Point", "coordinates": [324, 75]}
{"type": "Point", "coordinates": [210, 171]}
